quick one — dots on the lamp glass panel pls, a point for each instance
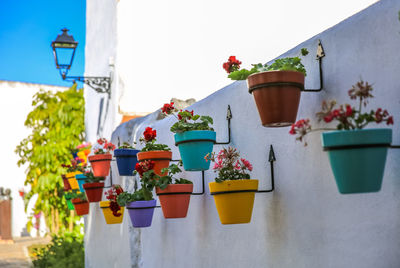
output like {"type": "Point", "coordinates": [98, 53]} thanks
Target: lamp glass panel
{"type": "Point", "coordinates": [64, 56]}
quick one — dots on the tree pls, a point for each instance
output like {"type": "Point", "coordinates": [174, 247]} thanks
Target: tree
{"type": "Point", "coordinates": [57, 123]}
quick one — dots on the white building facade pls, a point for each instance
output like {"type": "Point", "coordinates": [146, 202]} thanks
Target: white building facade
{"type": "Point", "coordinates": [305, 222]}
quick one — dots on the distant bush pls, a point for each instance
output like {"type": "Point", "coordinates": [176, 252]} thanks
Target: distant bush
{"type": "Point", "coordinates": [64, 251]}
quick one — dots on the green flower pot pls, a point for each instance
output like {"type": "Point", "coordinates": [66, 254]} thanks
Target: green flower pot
{"type": "Point", "coordinates": [357, 158]}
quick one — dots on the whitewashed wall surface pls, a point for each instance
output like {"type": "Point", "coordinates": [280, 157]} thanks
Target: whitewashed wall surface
{"type": "Point", "coordinates": [305, 222]}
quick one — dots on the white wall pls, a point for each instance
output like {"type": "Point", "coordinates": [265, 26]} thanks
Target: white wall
{"type": "Point", "coordinates": [305, 222]}
{"type": "Point", "coordinates": [14, 108]}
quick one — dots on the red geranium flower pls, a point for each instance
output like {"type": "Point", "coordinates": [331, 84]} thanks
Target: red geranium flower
{"type": "Point", "coordinates": [149, 134]}
{"type": "Point", "coordinates": [144, 166]}
{"type": "Point", "coordinates": [168, 108]}
{"type": "Point", "coordinates": [232, 64]}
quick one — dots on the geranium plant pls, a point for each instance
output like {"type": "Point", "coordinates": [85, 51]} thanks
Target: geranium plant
{"type": "Point", "coordinates": [126, 145]}
{"type": "Point", "coordinates": [229, 165]}
{"type": "Point", "coordinates": [112, 195]}
{"type": "Point", "coordinates": [149, 140]}
{"type": "Point", "coordinates": [145, 170]}
{"type": "Point", "coordinates": [232, 66]}
{"type": "Point", "coordinates": [103, 147]}
{"type": "Point", "coordinates": [91, 178]}
{"type": "Point", "coordinates": [163, 181]}
{"type": "Point", "coordinates": [347, 117]}
{"type": "Point", "coordinates": [77, 164]}
{"type": "Point", "coordinates": [76, 194]}
{"type": "Point", "coordinates": [187, 120]}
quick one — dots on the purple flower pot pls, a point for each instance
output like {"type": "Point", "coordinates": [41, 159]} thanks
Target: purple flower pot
{"type": "Point", "coordinates": [141, 212]}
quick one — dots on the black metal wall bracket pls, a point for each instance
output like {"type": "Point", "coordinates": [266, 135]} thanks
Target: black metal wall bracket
{"type": "Point", "coordinates": [100, 84]}
{"type": "Point", "coordinates": [228, 118]}
{"type": "Point", "coordinates": [320, 55]}
{"type": "Point", "coordinates": [394, 146]}
{"type": "Point", "coordinates": [202, 184]}
{"type": "Point", "coordinates": [271, 160]}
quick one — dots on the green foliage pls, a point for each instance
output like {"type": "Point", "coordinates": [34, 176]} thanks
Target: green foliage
{"type": "Point", "coordinates": [283, 64]}
{"type": "Point", "coordinates": [163, 181]}
{"type": "Point", "coordinates": [228, 173]}
{"type": "Point", "coordinates": [189, 122]}
{"type": "Point", "coordinates": [76, 194]}
{"type": "Point", "coordinates": [243, 73]}
{"type": "Point", "coordinates": [153, 146]}
{"type": "Point", "coordinates": [90, 178]}
{"type": "Point", "coordinates": [57, 124]}
{"type": "Point", "coordinates": [126, 145]}
{"type": "Point", "coordinates": [65, 251]}
{"type": "Point", "coordinates": [142, 194]}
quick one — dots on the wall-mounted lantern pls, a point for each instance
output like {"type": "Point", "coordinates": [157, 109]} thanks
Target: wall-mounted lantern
{"type": "Point", "coordinates": [64, 51]}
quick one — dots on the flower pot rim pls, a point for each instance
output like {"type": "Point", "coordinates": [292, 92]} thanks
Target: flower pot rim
{"type": "Point", "coordinates": [356, 137]}
{"type": "Point", "coordinates": [93, 185]}
{"type": "Point", "coordinates": [233, 186]}
{"type": "Point", "coordinates": [169, 188]}
{"type": "Point", "coordinates": [159, 155]}
{"type": "Point", "coordinates": [78, 201]}
{"type": "Point", "coordinates": [195, 135]}
{"type": "Point", "coordinates": [275, 71]}
{"type": "Point", "coordinates": [100, 156]}
{"type": "Point", "coordinates": [126, 152]}
{"type": "Point", "coordinates": [80, 176]}
{"type": "Point", "coordinates": [150, 204]}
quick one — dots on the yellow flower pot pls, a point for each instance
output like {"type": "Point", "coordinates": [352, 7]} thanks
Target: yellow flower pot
{"type": "Point", "coordinates": [108, 215]}
{"type": "Point", "coordinates": [234, 200]}
{"type": "Point", "coordinates": [71, 179]}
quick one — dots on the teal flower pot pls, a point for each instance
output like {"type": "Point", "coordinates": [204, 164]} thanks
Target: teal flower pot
{"type": "Point", "coordinates": [194, 146]}
{"type": "Point", "coordinates": [80, 178]}
{"type": "Point", "coordinates": [357, 158]}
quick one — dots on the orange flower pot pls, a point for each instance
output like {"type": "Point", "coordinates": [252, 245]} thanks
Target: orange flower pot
{"type": "Point", "coordinates": [100, 164]}
{"type": "Point", "coordinates": [81, 207]}
{"type": "Point", "coordinates": [94, 191]}
{"type": "Point", "coordinates": [175, 200]}
{"type": "Point", "coordinates": [161, 159]}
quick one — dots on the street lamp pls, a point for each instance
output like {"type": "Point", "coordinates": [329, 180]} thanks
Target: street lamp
{"type": "Point", "coordinates": [64, 51]}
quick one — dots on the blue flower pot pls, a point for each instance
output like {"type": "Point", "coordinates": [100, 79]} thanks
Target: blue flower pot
{"type": "Point", "coordinates": [126, 161]}
{"type": "Point", "coordinates": [194, 146]}
{"type": "Point", "coordinates": [80, 178]}
{"type": "Point", "coordinates": [357, 158]}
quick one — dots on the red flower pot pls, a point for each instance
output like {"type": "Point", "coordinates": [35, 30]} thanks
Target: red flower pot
{"type": "Point", "coordinates": [100, 164]}
{"type": "Point", "coordinates": [277, 96]}
{"type": "Point", "coordinates": [81, 207]}
{"type": "Point", "coordinates": [67, 186]}
{"type": "Point", "coordinates": [94, 191]}
{"type": "Point", "coordinates": [160, 158]}
{"type": "Point", "coordinates": [175, 200]}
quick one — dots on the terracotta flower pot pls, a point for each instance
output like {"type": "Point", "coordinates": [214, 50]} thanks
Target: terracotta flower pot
{"type": "Point", "coordinates": [81, 207]}
{"type": "Point", "coordinates": [234, 200]}
{"type": "Point", "coordinates": [277, 96]}
{"type": "Point", "coordinates": [175, 200]}
{"type": "Point", "coordinates": [94, 191]}
{"type": "Point", "coordinates": [67, 186]}
{"type": "Point", "coordinates": [108, 215]}
{"type": "Point", "coordinates": [100, 164]}
{"type": "Point", "coordinates": [161, 159]}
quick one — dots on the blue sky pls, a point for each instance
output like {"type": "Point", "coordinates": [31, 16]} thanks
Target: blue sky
{"type": "Point", "coordinates": [27, 29]}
